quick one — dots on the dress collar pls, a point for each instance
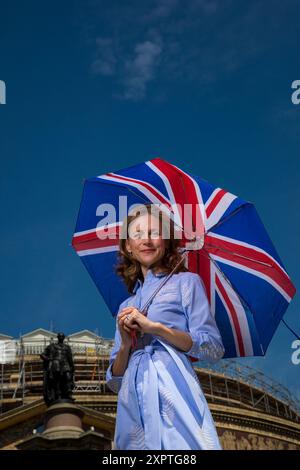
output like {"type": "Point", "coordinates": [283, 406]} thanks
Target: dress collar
{"type": "Point", "coordinates": [150, 274]}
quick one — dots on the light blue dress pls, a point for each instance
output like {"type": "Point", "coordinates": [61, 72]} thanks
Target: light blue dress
{"type": "Point", "coordinates": [161, 405]}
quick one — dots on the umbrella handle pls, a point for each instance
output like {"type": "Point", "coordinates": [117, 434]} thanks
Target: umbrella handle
{"type": "Point", "coordinates": [134, 340]}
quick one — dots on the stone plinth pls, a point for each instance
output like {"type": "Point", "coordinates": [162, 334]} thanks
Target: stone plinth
{"type": "Point", "coordinates": [64, 431]}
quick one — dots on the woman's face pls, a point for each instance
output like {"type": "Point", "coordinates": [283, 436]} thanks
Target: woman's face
{"type": "Point", "coordinates": [145, 240]}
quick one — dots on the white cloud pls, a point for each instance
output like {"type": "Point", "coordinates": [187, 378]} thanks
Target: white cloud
{"type": "Point", "coordinates": [141, 69]}
{"type": "Point", "coordinates": [105, 61]}
{"type": "Point", "coordinates": [162, 9]}
{"type": "Point", "coordinates": [200, 42]}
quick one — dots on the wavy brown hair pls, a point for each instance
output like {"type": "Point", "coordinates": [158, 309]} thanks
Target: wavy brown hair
{"type": "Point", "coordinates": [128, 268]}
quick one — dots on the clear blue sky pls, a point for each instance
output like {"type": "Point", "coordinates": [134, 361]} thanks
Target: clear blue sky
{"type": "Point", "coordinates": [94, 86]}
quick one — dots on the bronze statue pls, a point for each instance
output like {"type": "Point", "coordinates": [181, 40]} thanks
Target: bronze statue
{"type": "Point", "coordinates": [58, 371]}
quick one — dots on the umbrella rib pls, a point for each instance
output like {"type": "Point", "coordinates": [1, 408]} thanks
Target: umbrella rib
{"type": "Point", "coordinates": [237, 254]}
{"type": "Point", "coordinates": [290, 329]}
{"type": "Point", "coordinates": [243, 302]}
{"type": "Point", "coordinates": [227, 280]}
{"type": "Point", "coordinates": [227, 217]}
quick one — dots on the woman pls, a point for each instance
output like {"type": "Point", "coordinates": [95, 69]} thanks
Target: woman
{"type": "Point", "coordinates": [160, 402]}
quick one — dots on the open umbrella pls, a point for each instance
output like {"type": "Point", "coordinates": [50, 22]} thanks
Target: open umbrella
{"type": "Point", "coordinates": [246, 284]}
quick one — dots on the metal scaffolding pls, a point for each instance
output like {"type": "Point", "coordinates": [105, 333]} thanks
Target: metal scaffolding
{"type": "Point", "coordinates": [256, 379]}
{"type": "Point", "coordinates": [89, 376]}
{"type": "Point", "coordinates": [227, 380]}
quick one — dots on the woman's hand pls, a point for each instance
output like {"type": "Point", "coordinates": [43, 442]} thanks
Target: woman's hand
{"type": "Point", "coordinates": [124, 333]}
{"type": "Point", "coordinates": [132, 319]}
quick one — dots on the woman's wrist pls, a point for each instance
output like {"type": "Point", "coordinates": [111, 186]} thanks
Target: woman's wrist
{"type": "Point", "coordinates": [125, 348]}
{"type": "Point", "coordinates": [180, 339]}
{"type": "Point", "coordinates": [157, 329]}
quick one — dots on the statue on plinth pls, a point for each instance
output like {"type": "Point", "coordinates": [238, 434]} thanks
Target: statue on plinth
{"type": "Point", "coordinates": [58, 371]}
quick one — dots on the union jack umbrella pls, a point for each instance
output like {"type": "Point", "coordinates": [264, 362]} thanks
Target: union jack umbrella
{"type": "Point", "coordinates": [246, 284]}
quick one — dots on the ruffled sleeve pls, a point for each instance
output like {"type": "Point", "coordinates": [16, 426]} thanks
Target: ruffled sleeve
{"type": "Point", "coordinates": [207, 342]}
